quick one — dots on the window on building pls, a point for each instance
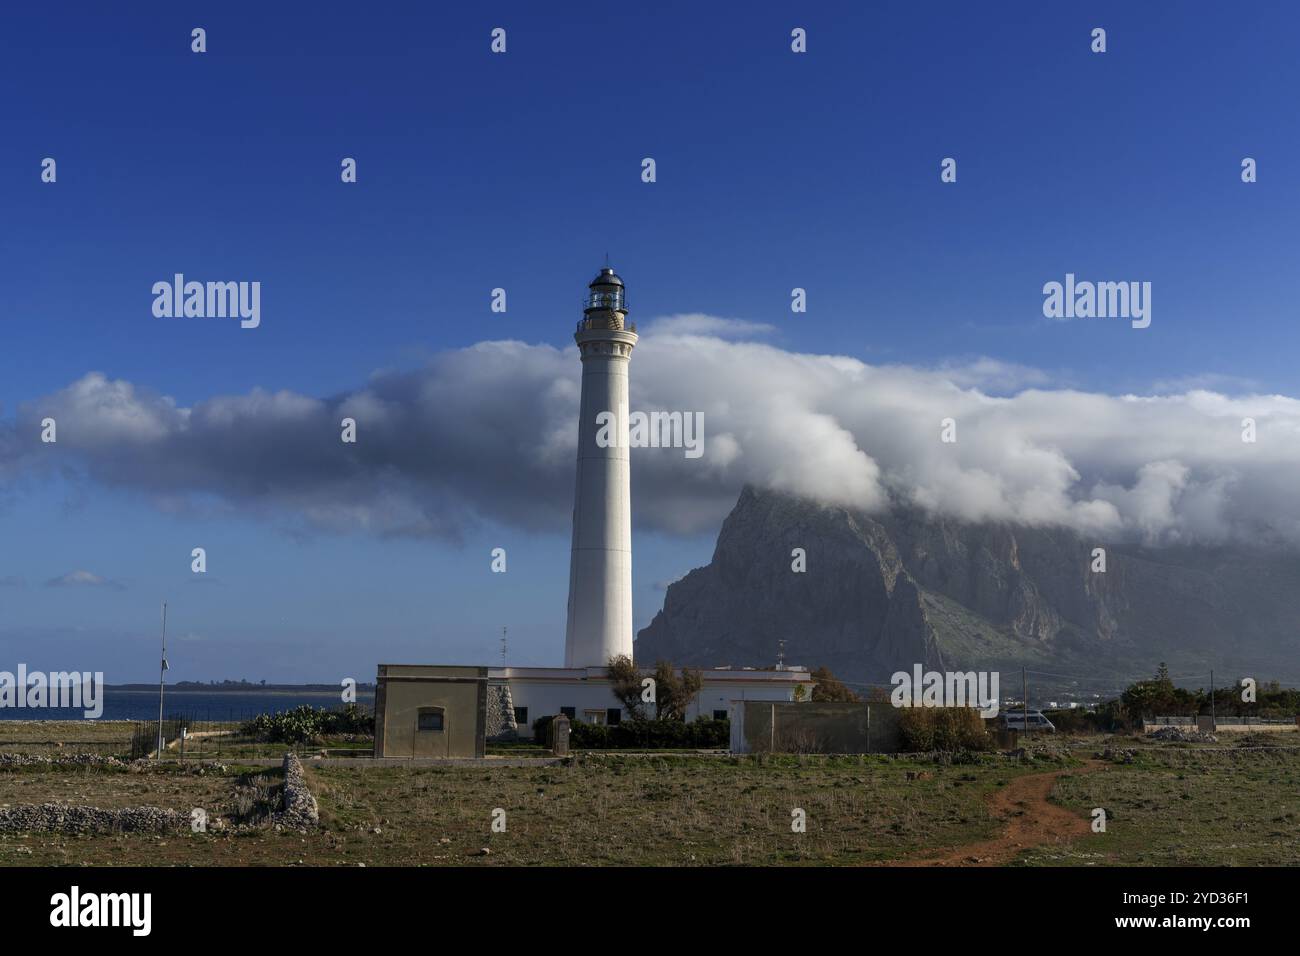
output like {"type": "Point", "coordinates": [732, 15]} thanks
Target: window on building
{"type": "Point", "coordinates": [593, 716]}
{"type": "Point", "coordinates": [521, 716]}
{"type": "Point", "coordinates": [719, 715]}
{"type": "Point", "coordinates": [430, 719]}
{"type": "Point", "coordinates": [613, 715]}
{"type": "Point", "coordinates": [570, 712]}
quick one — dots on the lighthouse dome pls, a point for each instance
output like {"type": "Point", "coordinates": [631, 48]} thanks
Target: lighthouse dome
{"type": "Point", "coordinates": [606, 276]}
{"type": "Point", "coordinates": [606, 295]}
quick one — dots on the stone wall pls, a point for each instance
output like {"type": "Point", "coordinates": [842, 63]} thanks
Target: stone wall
{"type": "Point", "coordinates": [501, 723]}
{"type": "Point", "coordinates": [69, 760]}
{"type": "Point", "coordinates": [299, 811]}
{"type": "Point", "coordinates": [64, 818]}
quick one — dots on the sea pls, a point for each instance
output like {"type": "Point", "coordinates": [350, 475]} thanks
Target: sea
{"type": "Point", "coordinates": [196, 706]}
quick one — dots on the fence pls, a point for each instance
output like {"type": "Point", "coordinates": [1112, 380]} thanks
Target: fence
{"type": "Point", "coordinates": [1227, 721]}
{"type": "Point", "coordinates": [185, 735]}
{"type": "Point", "coordinates": [217, 736]}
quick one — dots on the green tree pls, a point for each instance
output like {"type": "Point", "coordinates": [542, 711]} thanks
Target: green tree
{"type": "Point", "coordinates": [674, 690]}
{"type": "Point", "coordinates": [625, 682]}
{"type": "Point", "coordinates": [1158, 697]}
{"type": "Point", "coordinates": [826, 687]}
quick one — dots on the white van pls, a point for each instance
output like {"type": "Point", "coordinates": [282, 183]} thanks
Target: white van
{"type": "Point", "coordinates": [1015, 720]}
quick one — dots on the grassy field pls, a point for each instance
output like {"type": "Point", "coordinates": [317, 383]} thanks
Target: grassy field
{"type": "Point", "coordinates": [1170, 804]}
{"type": "Point", "coordinates": [601, 810]}
{"type": "Point", "coordinates": [1189, 806]}
{"type": "Point", "coordinates": [87, 786]}
{"type": "Point", "coordinates": [662, 810]}
{"type": "Point", "coordinates": [49, 737]}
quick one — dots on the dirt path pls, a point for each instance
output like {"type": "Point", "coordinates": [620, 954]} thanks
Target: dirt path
{"type": "Point", "coordinates": [1031, 820]}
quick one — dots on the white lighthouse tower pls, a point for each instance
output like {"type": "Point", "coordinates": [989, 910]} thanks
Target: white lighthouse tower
{"type": "Point", "coordinates": [600, 569]}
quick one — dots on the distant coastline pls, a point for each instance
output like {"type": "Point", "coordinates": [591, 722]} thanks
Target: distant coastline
{"type": "Point", "coordinates": [197, 702]}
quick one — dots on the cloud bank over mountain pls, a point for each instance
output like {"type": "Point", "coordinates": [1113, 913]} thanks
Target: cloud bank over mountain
{"type": "Point", "coordinates": [489, 432]}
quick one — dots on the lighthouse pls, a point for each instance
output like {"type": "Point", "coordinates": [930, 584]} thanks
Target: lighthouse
{"type": "Point", "coordinates": [419, 707]}
{"type": "Point", "coordinates": [600, 565]}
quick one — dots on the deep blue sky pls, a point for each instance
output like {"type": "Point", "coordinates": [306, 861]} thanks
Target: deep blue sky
{"type": "Point", "coordinates": [522, 170]}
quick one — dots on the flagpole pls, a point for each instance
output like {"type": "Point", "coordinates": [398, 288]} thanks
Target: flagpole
{"type": "Point", "coordinates": [162, 671]}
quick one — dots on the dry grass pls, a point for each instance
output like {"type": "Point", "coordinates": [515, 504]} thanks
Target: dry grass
{"type": "Point", "coordinates": [54, 737]}
{"type": "Point", "coordinates": [113, 789]}
{"type": "Point", "coordinates": [1189, 806]}
{"type": "Point", "coordinates": [658, 811]}
{"type": "Point", "coordinates": [1176, 805]}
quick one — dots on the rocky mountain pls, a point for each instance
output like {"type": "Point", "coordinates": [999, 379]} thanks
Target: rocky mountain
{"type": "Point", "coordinates": [883, 592]}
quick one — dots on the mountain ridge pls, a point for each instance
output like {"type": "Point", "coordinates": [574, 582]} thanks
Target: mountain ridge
{"type": "Point", "coordinates": [882, 592]}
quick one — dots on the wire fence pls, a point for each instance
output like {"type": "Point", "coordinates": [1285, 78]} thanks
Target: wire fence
{"type": "Point", "coordinates": [195, 735]}
{"type": "Point", "coordinates": [1225, 720]}
{"type": "Point", "coordinates": [224, 734]}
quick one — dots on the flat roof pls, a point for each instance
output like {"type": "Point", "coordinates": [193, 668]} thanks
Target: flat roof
{"type": "Point", "coordinates": [789, 675]}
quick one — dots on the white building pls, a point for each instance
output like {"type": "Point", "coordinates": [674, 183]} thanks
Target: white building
{"type": "Point", "coordinates": [583, 693]}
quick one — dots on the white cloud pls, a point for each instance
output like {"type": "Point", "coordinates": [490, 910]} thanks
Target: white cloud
{"type": "Point", "coordinates": [993, 374]}
{"type": "Point", "coordinates": [82, 579]}
{"type": "Point", "coordinates": [697, 324]}
{"type": "Point", "coordinates": [489, 432]}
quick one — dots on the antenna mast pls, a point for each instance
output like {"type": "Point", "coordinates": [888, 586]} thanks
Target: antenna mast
{"type": "Point", "coordinates": [162, 671]}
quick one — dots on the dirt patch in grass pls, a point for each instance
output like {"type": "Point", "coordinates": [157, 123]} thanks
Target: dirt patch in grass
{"type": "Point", "coordinates": [1031, 821]}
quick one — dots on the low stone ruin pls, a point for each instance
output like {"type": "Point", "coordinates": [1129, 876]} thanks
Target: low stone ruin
{"type": "Point", "coordinates": [300, 811]}
{"type": "Point", "coordinates": [1182, 735]}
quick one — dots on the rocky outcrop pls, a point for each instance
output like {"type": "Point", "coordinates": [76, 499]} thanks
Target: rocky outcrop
{"type": "Point", "coordinates": [856, 608]}
{"type": "Point", "coordinates": [883, 592]}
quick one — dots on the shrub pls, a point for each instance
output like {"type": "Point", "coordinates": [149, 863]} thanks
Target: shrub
{"type": "Point", "coordinates": [829, 688]}
{"type": "Point", "coordinates": [307, 724]}
{"type": "Point", "coordinates": [701, 734]}
{"type": "Point", "coordinates": [924, 729]}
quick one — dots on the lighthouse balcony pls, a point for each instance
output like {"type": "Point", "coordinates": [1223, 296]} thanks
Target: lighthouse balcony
{"type": "Point", "coordinates": [609, 322]}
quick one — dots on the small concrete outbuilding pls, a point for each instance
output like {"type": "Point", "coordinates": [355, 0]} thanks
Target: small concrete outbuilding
{"type": "Point", "coordinates": [429, 711]}
{"type": "Point", "coordinates": [819, 728]}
